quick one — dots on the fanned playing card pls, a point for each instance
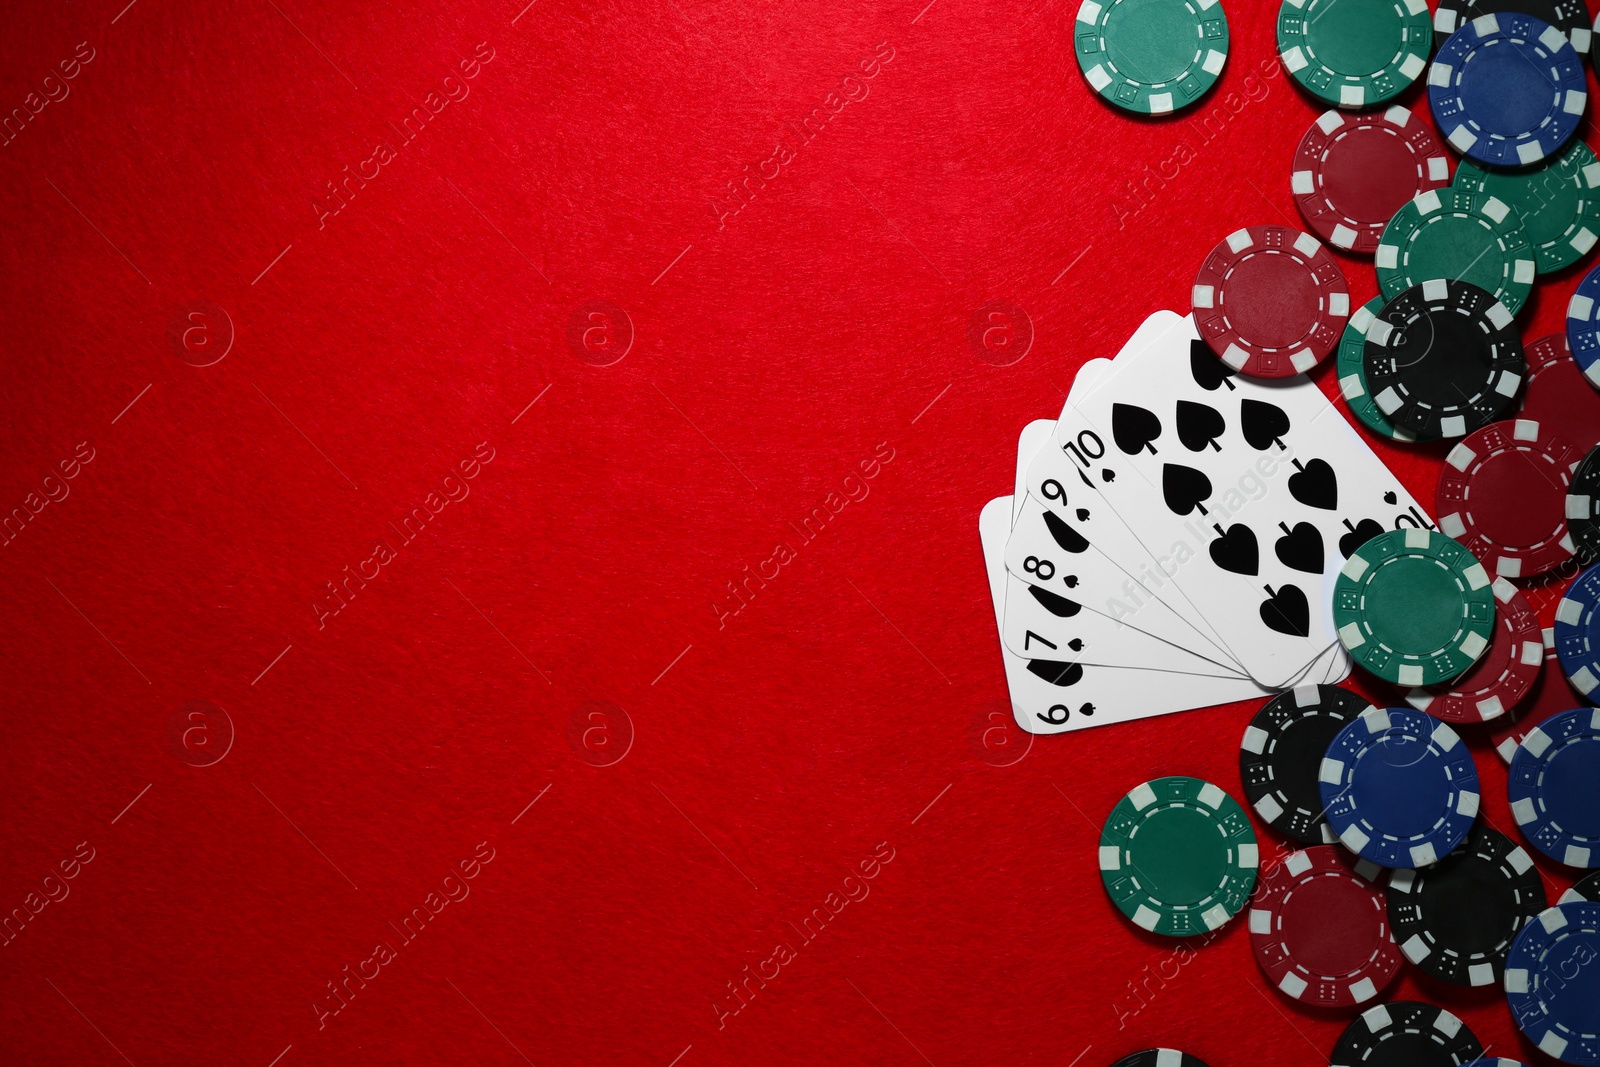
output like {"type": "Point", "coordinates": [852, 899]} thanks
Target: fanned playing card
{"type": "Point", "coordinates": [1248, 494]}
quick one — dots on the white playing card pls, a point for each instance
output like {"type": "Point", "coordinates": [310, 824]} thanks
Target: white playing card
{"type": "Point", "coordinates": [1033, 438]}
{"type": "Point", "coordinates": [1077, 508]}
{"type": "Point", "coordinates": [1249, 494]}
{"type": "Point", "coordinates": [1049, 697]}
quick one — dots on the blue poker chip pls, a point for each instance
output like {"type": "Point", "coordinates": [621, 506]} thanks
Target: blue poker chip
{"type": "Point", "coordinates": [1555, 787]}
{"type": "Point", "coordinates": [1578, 634]}
{"type": "Point", "coordinates": [1507, 89]}
{"type": "Point", "coordinates": [1399, 787]}
{"type": "Point", "coordinates": [1583, 326]}
{"type": "Point", "coordinates": [1553, 982]}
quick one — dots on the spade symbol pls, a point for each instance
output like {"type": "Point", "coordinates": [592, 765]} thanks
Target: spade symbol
{"type": "Point", "coordinates": [1184, 488]}
{"type": "Point", "coordinates": [1083, 514]}
{"type": "Point", "coordinates": [1069, 539]}
{"type": "Point", "coordinates": [1315, 485]}
{"type": "Point", "coordinates": [1076, 644]}
{"type": "Point", "coordinates": [1108, 475]}
{"type": "Point", "coordinates": [1236, 550]}
{"type": "Point", "coordinates": [1390, 498]}
{"type": "Point", "coordinates": [1134, 428]}
{"type": "Point", "coordinates": [1301, 547]}
{"type": "Point", "coordinates": [1263, 423]}
{"type": "Point", "coordinates": [1199, 425]}
{"type": "Point", "coordinates": [1070, 581]}
{"type": "Point", "coordinates": [1359, 535]}
{"type": "Point", "coordinates": [1059, 606]}
{"type": "Point", "coordinates": [1208, 371]}
{"type": "Point", "coordinates": [1062, 674]}
{"type": "Point", "coordinates": [1286, 611]}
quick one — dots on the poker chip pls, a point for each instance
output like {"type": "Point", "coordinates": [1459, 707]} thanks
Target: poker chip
{"type": "Point", "coordinates": [1354, 55]}
{"type": "Point", "coordinates": [1151, 59]}
{"type": "Point", "coordinates": [1558, 393]}
{"type": "Point", "coordinates": [1578, 633]}
{"type": "Point", "coordinates": [1507, 90]}
{"type": "Point", "coordinates": [1160, 1057]}
{"type": "Point", "coordinates": [1586, 888]}
{"type": "Point", "coordinates": [1550, 695]}
{"type": "Point", "coordinates": [1502, 676]}
{"type": "Point", "coordinates": [1405, 1033]}
{"type": "Point", "coordinates": [1503, 494]}
{"type": "Point", "coordinates": [1552, 984]}
{"type": "Point", "coordinates": [1443, 359]}
{"type": "Point", "coordinates": [1320, 930]}
{"type": "Point", "coordinates": [1583, 505]}
{"type": "Point", "coordinates": [1413, 607]}
{"type": "Point", "coordinates": [1399, 787]}
{"type": "Point", "coordinates": [1555, 787]}
{"type": "Point", "coordinates": [1282, 751]}
{"type": "Point", "coordinates": [1583, 326]}
{"type": "Point", "coordinates": [1496, 1061]}
{"type": "Point", "coordinates": [1571, 17]}
{"type": "Point", "coordinates": [1178, 856]}
{"type": "Point", "coordinates": [1270, 301]}
{"type": "Point", "coordinates": [1353, 172]}
{"type": "Point", "coordinates": [1557, 201]}
{"type": "Point", "coordinates": [1456, 920]}
{"type": "Point", "coordinates": [1459, 234]}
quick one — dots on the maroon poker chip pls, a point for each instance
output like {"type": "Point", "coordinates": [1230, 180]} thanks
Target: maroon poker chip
{"type": "Point", "coordinates": [1557, 393]}
{"type": "Point", "coordinates": [1270, 301]}
{"type": "Point", "coordinates": [1503, 494]}
{"type": "Point", "coordinates": [1352, 172]}
{"type": "Point", "coordinates": [1320, 928]}
{"type": "Point", "coordinates": [1550, 695]}
{"type": "Point", "coordinates": [1503, 674]}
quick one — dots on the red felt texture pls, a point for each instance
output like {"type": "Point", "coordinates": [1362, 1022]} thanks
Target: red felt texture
{"type": "Point", "coordinates": [539, 326]}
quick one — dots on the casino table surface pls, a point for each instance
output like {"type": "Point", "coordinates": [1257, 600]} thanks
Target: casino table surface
{"type": "Point", "coordinates": [497, 577]}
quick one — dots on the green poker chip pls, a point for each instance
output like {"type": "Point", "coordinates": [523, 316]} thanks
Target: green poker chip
{"type": "Point", "coordinates": [1151, 57]}
{"type": "Point", "coordinates": [1354, 53]}
{"type": "Point", "coordinates": [1353, 375]}
{"type": "Point", "coordinates": [1558, 201]}
{"type": "Point", "coordinates": [1461, 235]}
{"type": "Point", "coordinates": [1178, 856]}
{"type": "Point", "coordinates": [1414, 607]}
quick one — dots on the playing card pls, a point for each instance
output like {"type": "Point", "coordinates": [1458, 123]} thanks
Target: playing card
{"type": "Point", "coordinates": [1032, 439]}
{"type": "Point", "coordinates": [1249, 494]}
{"type": "Point", "coordinates": [1055, 696]}
{"type": "Point", "coordinates": [1074, 504]}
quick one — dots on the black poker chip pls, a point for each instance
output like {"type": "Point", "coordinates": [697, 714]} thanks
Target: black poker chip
{"type": "Point", "coordinates": [1587, 888]}
{"type": "Point", "coordinates": [1406, 1033]}
{"type": "Point", "coordinates": [1443, 359]}
{"type": "Point", "coordinates": [1583, 505]}
{"type": "Point", "coordinates": [1456, 920]}
{"type": "Point", "coordinates": [1159, 1057]}
{"type": "Point", "coordinates": [1571, 17]}
{"type": "Point", "coordinates": [1281, 753]}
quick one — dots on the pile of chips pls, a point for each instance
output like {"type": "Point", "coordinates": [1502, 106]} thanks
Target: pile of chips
{"type": "Point", "coordinates": [1393, 864]}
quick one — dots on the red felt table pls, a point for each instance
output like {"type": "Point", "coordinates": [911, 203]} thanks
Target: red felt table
{"type": "Point", "coordinates": [480, 557]}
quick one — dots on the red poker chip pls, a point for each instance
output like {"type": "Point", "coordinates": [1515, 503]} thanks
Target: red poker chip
{"type": "Point", "coordinates": [1503, 494]}
{"type": "Point", "coordinates": [1270, 301]}
{"type": "Point", "coordinates": [1557, 393]}
{"type": "Point", "coordinates": [1320, 929]}
{"type": "Point", "coordinates": [1353, 172]}
{"type": "Point", "coordinates": [1550, 695]}
{"type": "Point", "coordinates": [1502, 676]}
